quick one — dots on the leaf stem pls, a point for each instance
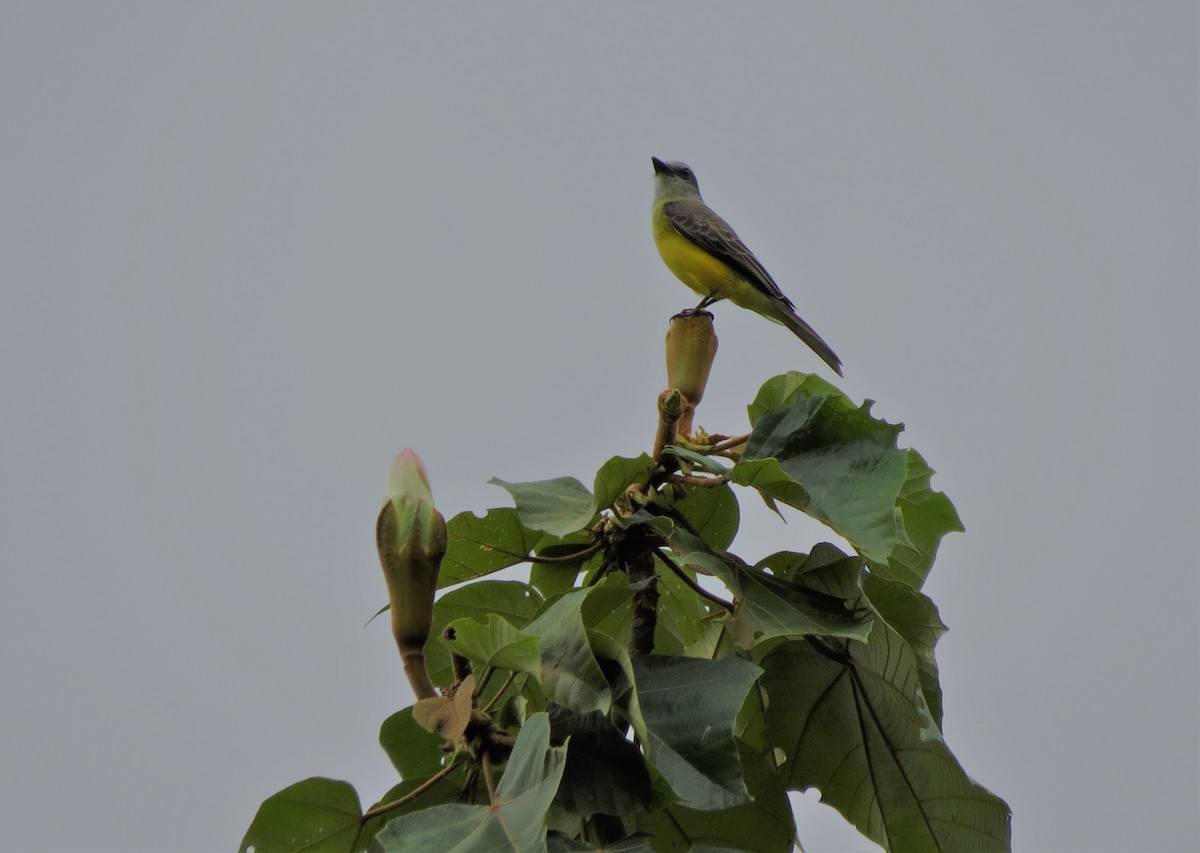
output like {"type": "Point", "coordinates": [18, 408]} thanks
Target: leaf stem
{"type": "Point", "coordinates": [687, 579]}
{"type": "Point", "coordinates": [487, 777]}
{"type": "Point", "coordinates": [411, 795]}
{"type": "Point", "coordinates": [483, 682]}
{"type": "Point", "coordinates": [702, 482]}
{"type": "Point", "coordinates": [574, 557]}
{"type": "Point", "coordinates": [488, 707]}
{"type": "Point", "coordinates": [729, 443]}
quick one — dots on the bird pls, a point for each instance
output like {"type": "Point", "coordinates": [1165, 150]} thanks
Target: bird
{"type": "Point", "coordinates": [707, 255]}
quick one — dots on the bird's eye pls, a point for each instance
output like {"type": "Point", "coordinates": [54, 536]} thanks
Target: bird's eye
{"type": "Point", "coordinates": [687, 173]}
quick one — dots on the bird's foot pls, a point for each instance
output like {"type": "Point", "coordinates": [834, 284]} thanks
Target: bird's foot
{"type": "Point", "coordinates": [693, 312]}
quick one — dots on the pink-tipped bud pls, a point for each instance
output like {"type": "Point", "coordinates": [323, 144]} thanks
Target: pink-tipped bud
{"type": "Point", "coordinates": [411, 538]}
{"type": "Point", "coordinates": [408, 478]}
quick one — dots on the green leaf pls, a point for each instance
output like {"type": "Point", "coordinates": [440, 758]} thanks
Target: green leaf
{"type": "Point", "coordinates": [712, 512]}
{"type": "Point", "coordinates": [712, 637]}
{"type": "Point", "coordinates": [516, 821]}
{"type": "Point", "coordinates": [832, 460]}
{"type": "Point", "coordinates": [690, 706]}
{"type": "Point", "coordinates": [680, 614]}
{"type": "Point", "coordinates": [915, 618]}
{"type": "Point", "coordinates": [764, 825]}
{"type": "Point", "coordinates": [559, 507]}
{"type": "Point", "coordinates": [812, 448]}
{"type": "Point", "coordinates": [314, 816]}
{"type": "Point", "coordinates": [495, 643]}
{"type": "Point", "coordinates": [777, 391]}
{"type": "Point", "coordinates": [563, 505]}
{"type": "Point", "coordinates": [851, 719]}
{"type": "Point", "coordinates": [570, 675]}
{"type": "Point", "coordinates": [605, 773]}
{"type": "Point", "coordinates": [557, 577]}
{"type": "Point", "coordinates": [694, 552]}
{"type": "Point", "coordinates": [414, 751]}
{"type": "Point", "coordinates": [513, 601]}
{"type": "Point", "coordinates": [851, 487]}
{"type": "Point", "coordinates": [617, 666]}
{"type": "Point", "coordinates": [606, 608]}
{"type": "Point", "coordinates": [768, 607]}
{"type": "Point", "coordinates": [827, 570]}
{"type": "Point", "coordinates": [800, 596]}
{"type": "Point", "coordinates": [479, 546]}
{"type": "Point", "coordinates": [551, 579]}
{"type": "Point", "coordinates": [618, 474]}
{"type": "Point", "coordinates": [928, 516]}
{"type": "Point", "coordinates": [820, 595]}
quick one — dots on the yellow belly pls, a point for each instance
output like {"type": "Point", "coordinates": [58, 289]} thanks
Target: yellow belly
{"type": "Point", "coordinates": [694, 267]}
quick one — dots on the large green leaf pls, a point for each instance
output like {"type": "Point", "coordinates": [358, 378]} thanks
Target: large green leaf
{"type": "Point", "coordinates": [414, 751]}
{"type": "Point", "coordinates": [563, 505]}
{"type": "Point", "coordinates": [618, 474]}
{"type": "Point", "coordinates": [559, 507]}
{"type": "Point", "coordinates": [764, 825]}
{"type": "Point", "coordinates": [570, 675]}
{"type": "Point", "coordinates": [814, 449]}
{"type": "Point", "coordinates": [799, 596]}
{"type": "Point", "coordinates": [690, 706]}
{"type": "Point", "coordinates": [478, 546]}
{"type": "Point", "coordinates": [915, 618]}
{"type": "Point", "coordinates": [712, 512]}
{"type": "Point", "coordinates": [516, 821]}
{"type": "Point", "coordinates": [551, 579]}
{"type": "Point", "coordinates": [817, 452]}
{"type": "Point", "coordinates": [826, 568]}
{"type": "Point", "coordinates": [680, 614]}
{"type": "Point", "coordinates": [605, 773]}
{"type": "Point", "coordinates": [606, 608]}
{"type": "Point", "coordinates": [314, 816]}
{"type": "Point", "coordinates": [511, 600]}
{"type": "Point", "coordinates": [851, 720]}
{"type": "Point", "coordinates": [617, 666]}
{"type": "Point", "coordinates": [778, 605]}
{"type": "Point", "coordinates": [495, 643]}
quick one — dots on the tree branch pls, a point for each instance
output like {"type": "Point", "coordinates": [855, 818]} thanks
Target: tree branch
{"type": "Point", "coordinates": [636, 554]}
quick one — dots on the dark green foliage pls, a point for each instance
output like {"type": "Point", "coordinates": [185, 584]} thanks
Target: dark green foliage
{"type": "Point", "coordinates": [801, 669]}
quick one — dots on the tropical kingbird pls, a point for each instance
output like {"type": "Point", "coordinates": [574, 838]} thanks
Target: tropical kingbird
{"type": "Point", "coordinates": [706, 255]}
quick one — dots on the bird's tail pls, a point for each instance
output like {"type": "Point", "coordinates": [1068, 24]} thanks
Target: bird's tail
{"type": "Point", "coordinates": [805, 333]}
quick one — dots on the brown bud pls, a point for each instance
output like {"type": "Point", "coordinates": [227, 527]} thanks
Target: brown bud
{"type": "Point", "coordinates": [691, 348]}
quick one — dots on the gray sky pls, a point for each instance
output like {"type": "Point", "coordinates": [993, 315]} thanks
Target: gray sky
{"type": "Point", "coordinates": [250, 251]}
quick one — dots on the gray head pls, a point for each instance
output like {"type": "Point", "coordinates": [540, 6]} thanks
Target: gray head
{"type": "Point", "coordinates": [674, 180]}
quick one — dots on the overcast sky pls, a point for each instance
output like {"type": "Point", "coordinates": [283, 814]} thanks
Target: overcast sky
{"type": "Point", "coordinates": [252, 250]}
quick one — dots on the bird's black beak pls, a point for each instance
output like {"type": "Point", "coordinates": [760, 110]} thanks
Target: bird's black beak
{"type": "Point", "coordinates": [659, 166]}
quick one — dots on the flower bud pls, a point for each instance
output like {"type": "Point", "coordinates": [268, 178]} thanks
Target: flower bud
{"type": "Point", "coordinates": [408, 477]}
{"type": "Point", "coordinates": [411, 538]}
{"type": "Point", "coordinates": [691, 348]}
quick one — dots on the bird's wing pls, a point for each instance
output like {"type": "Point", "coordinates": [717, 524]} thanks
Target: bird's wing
{"type": "Point", "coordinates": [698, 224]}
